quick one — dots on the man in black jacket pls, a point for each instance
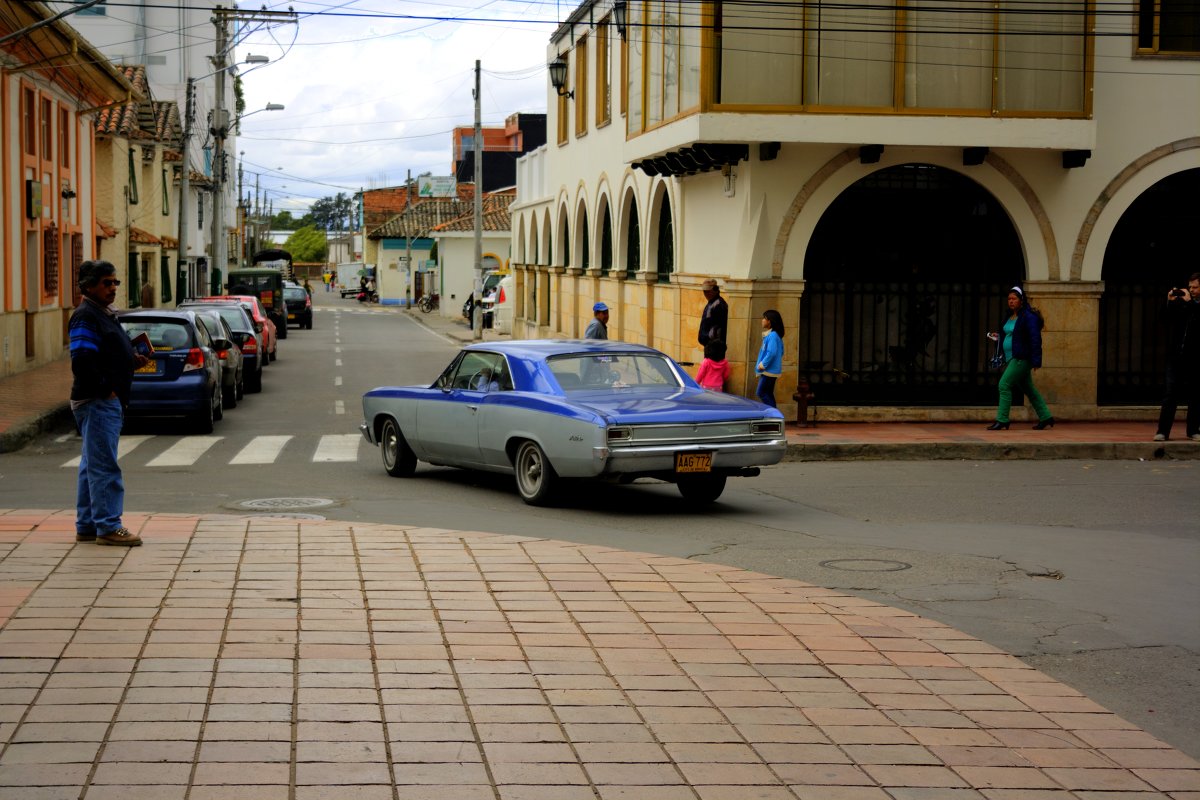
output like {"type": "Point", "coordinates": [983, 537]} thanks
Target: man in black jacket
{"type": "Point", "coordinates": [102, 363]}
{"type": "Point", "coordinates": [1183, 360]}
{"type": "Point", "coordinates": [714, 320]}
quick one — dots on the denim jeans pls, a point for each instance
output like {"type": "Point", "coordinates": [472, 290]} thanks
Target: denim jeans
{"type": "Point", "coordinates": [100, 492]}
{"type": "Point", "coordinates": [766, 390]}
{"type": "Point", "coordinates": [1019, 374]}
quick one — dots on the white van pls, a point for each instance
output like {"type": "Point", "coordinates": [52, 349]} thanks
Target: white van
{"type": "Point", "coordinates": [502, 305]}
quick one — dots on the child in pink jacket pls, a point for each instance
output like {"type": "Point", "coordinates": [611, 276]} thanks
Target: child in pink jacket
{"type": "Point", "coordinates": [714, 369]}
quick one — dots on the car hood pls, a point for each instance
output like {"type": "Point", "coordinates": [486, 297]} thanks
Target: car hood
{"type": "Point", "coordinates": [663, 407]}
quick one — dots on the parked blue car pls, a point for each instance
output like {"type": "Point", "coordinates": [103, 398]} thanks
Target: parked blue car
{"type": "Point", "coordinates": [543, 410]}
{"type": "Point", "coordinates": [183, 378]}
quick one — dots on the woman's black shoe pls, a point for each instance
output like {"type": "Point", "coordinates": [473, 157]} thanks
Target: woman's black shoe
{"type": "Point", "coordinates": [998, 426]}
{"type": "Point", "coordinates": [1043, 424]}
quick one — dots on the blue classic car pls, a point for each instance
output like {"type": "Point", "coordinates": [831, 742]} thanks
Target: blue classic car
{"type": "Point", "coordinates": [543, 410]}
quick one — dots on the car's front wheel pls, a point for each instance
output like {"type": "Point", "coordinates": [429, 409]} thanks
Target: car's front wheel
{"type": "Point", "coordinates": [535, 476]}
{"type": "Point", "coordinates": [398, 458]}
{"type": "Point", "coordinates": [702, 489]}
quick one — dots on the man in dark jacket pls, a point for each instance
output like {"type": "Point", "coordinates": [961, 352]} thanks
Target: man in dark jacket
{"type": "Point", "coordinates": [714, 320]}
{"type": "Point", "coordinates": [102, 363]}
{"type": "Point", "coordinates": [1183, 360]}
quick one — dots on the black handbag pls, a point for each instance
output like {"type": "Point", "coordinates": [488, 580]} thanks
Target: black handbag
{"type": "Point", "coordinates": [997, 361]}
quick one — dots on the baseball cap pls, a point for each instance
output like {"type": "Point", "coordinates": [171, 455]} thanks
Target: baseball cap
{"type": "Point", "coordinates": [599, 307]}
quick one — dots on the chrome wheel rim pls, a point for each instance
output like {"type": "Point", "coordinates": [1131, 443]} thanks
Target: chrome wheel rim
{"type": "Point", "coordinates": [530, 469]}
{"type": "Point", "coordinates": [391, 443]}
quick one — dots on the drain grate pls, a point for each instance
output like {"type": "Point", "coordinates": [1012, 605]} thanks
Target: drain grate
{"type": "Point", "coordinates": [866, 565]}
{"type": "Point", "coordinates": [284, 503]}
{"type": "Point", "coordinates": [285, 515]}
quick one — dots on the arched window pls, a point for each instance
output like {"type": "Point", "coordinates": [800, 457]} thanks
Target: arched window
{"type": "Point", "coordinates": [666, 242]}
{"type": "Point", "coordinates": [633, 243]}
{"type": "Point", "coordinates": [566, 244]}
{"type": "Point", "coordinates": [606, 242]}
{"type": "Point", "coordinates": [585, 255]}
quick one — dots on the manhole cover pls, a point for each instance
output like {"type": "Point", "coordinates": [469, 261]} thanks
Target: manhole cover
{"type": "Point", "coordinates": [285, 503]}
{"type": "Point", "coordinates": [285, 515]}
{"type": "Point", "coordinates": [866, 564]}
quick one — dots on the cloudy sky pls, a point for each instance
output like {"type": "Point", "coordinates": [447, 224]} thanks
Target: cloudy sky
{"type": "Point", "coordinates": [372, 89]}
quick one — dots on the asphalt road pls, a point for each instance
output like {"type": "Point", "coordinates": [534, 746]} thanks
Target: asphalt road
{"type": "Point", "coordinates": [1087, 570]}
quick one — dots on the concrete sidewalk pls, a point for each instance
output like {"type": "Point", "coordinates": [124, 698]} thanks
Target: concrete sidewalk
{"type": "Point", "coordinates": [272, 658]}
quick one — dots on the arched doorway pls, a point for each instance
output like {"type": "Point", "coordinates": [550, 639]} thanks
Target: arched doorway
{"type": "Point", "coordinates": [1152, 249]}
{"type": "Point", "coordinates": [904, 274]}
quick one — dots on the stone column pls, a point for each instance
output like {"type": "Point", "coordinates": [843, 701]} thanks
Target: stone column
{"type": "Point", "coordinates": [1070, 345]}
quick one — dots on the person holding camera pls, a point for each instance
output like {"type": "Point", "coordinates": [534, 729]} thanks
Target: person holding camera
{"type": "Point", "coordinates": [1183, 360]}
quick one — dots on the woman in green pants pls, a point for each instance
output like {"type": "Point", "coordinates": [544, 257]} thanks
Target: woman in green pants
{"type": "Point", "coordinates": [1021, 342]}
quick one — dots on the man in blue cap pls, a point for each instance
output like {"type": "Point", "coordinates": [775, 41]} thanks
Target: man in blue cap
{"type": "Point", "coordinates": [598, 327]}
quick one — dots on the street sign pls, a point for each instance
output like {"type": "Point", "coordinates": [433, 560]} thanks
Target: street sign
{"type": "Point", "coordinates": [437, 186]}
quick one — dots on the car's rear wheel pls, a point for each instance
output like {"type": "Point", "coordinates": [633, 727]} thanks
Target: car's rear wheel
{"type": "Point", "coordinates": [255, 383]}
{"type": "Point", "coordinates": [239, 391]}
{"type": "Point", "coordinates": [229, 396]}
{"type": "Point", "coordinates": [203, 421]}
{"type": "Point", "coordinates": [398, 458]}
{"type": "Point", "coordinates": [218, 402]}
{"type": "Point", "coordinates": [702, 489]}
{"type": "Point", "coordinates": [535, 476]}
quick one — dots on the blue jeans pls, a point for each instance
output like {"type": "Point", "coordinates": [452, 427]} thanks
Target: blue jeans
{"type": "Point", "coordinates": [100, 492]}
{"type": "Point", "coordinates": [766, 390]}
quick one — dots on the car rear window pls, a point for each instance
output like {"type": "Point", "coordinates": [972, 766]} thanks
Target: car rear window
{"type": "Point", "coordinates": [294, 293]}
{"type": "Point", "coordinates": [164, 334]}
{"type": "Point", "coordinates": [235, 317]}
{"type": "Point", "coordinates": [612, 371]}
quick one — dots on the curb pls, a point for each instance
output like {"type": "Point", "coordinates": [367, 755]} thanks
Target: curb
{"type": "Point", "coordinates": [25, 431]}
{"type": "Point", "coordinates": [993, 451]}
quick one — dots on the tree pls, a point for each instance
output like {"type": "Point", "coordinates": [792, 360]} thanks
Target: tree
{"type": "Point", "coordinates": [332, 213]}
{"type": "Point", "coordinates": [306, 244]}
{"type": "Point", "coordinates": [284, 221]}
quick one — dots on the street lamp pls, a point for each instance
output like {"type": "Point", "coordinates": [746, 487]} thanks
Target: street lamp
{"type": "Point", "coordinates": [558, 77]}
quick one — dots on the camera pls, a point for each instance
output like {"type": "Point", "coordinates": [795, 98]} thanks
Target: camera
{"type": "Point", "coordinates": [1177, 293]}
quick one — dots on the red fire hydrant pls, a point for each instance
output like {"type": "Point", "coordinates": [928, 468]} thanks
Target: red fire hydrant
{"type": "Point", "coordinates": [803, 397]}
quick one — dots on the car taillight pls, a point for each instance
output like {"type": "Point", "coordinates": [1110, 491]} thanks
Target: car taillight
{"type": "Point", "coordinates": [195, 360]}
{"type": "Point", "coordinates": [250, 345]}
{"type": "Point", "coordinates": [222, 354]}
{"type": "Point", "coordinates": [500, 297]}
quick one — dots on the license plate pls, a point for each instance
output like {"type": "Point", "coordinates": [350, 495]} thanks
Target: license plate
{"type": "Point", "coordinates": [291, 316]}
{"type": "Point", "coordinates": [149, 369]}
{"type": "Point", "coordinates": [693, 462]}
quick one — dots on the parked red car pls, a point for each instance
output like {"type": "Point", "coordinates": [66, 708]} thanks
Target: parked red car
{"type": "Point", "coordinates": [257, 313]}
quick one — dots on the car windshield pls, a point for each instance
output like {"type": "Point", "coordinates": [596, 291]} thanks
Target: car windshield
{"type": "Point", "coordinates": [234, 317]}
{"type": "Point", "coordinates": [591, 372]}
{"type": "Point", "coordinates": [164, 334]}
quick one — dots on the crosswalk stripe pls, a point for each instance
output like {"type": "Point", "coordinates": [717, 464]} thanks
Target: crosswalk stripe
{"type": "Point", "coordinates": [339, 406]}
{"type": "Point", "coordinates": [261, 450]}
{"type": "Point", "coordinates": [125, 446]}
{"type": "Point", "coordinates": [338, 447]}
{"type": "Point", "coordinates": [184, 452]}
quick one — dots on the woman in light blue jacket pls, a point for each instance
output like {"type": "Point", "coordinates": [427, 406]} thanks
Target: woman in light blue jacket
{"type": "Point", "coordinates": [770, 356]}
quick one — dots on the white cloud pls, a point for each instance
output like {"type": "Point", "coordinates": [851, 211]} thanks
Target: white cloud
{"type": "Point", "coordinates": [369, 99]}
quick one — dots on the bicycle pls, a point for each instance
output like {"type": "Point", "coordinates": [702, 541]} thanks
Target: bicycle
{"type": "Point", "coordinates": [428, 302]}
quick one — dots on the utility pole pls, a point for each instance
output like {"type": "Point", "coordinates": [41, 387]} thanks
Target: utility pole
{"type": "Point", "coordinates": [219, 129]}
{"type": "Point", "coordinates": [221, 118]}
{"type": "Point", "coordinates": [477, 313]}
{"type": "Point", "coordinates": [407, 246]}
{"type": "Point", "coordinates": [184, 279]}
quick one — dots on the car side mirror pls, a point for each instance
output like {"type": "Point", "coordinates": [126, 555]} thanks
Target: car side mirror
{"type": "Point", "coordinates": [222, 344]}
{"type": "Point", "coordinates": [258, 327]}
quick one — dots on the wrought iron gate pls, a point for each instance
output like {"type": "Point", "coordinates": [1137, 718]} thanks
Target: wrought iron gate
{"type": "Point", "coordinates": [888, 343]}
